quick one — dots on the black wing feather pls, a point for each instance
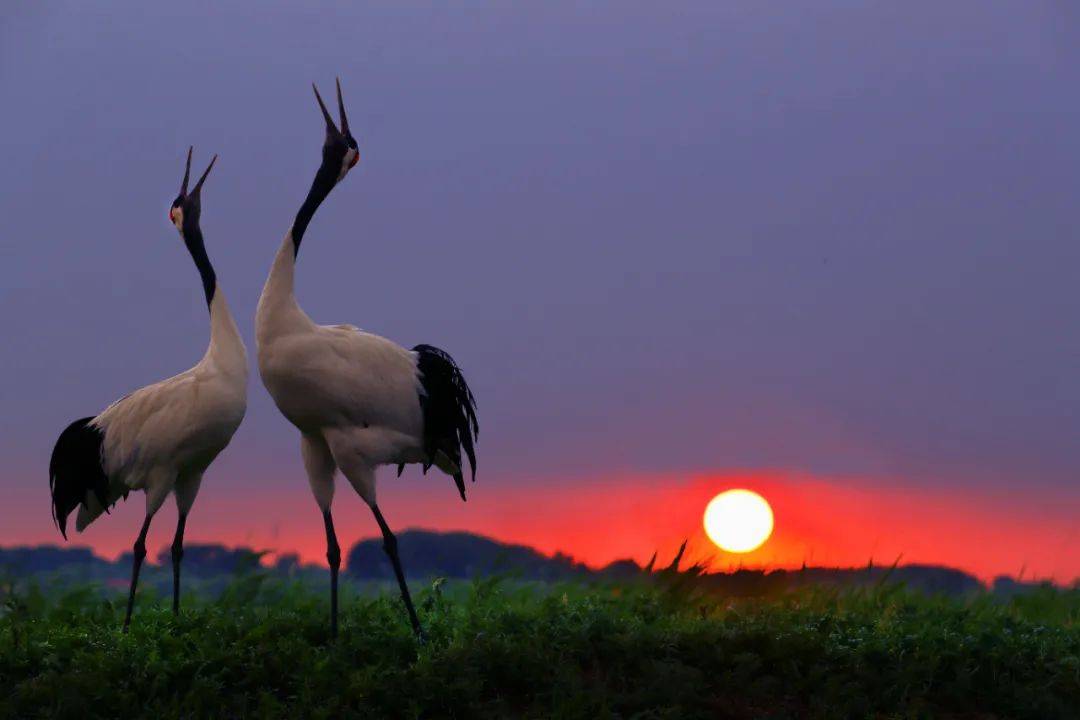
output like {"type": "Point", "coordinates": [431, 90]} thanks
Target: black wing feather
{"type": "Point", "coordinates": [449, 408]}
{"type": "Point", "coordinates": [75, 469]}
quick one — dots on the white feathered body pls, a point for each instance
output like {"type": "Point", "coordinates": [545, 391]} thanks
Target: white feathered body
{"type": "Point", "coordinates": [356, 391]}
{"type": "Point", "coordinates": [358, 400]}
{"type": "Point", "coordinates": [172, 430]}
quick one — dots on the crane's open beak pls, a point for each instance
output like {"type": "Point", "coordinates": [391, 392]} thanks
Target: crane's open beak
{"type": "Point", "coordinates": [332, 129]}
{"type": "Point", "coordinates": [187, 176]}
{"type": "Point", "coordinates": [189, 200]}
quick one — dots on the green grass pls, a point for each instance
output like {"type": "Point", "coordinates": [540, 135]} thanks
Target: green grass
{"type": "Point", "coordinates": [502, 649]}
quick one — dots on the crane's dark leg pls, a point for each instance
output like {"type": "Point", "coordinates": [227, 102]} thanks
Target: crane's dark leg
{"type": "Point", "coordinates": [177, 556]}
{"type": "Point", "coordinates": [333, 557]}
{"type": "Point", "coordinates": [390, 546]}
{"type": "Point", "coordinates": [140, 554]}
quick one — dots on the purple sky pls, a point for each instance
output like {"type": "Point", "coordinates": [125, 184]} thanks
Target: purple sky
{"type": "Point", "coordinates": [659, 237]}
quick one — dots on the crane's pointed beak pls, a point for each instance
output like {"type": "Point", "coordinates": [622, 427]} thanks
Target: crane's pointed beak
{"type": "Point", "coordinates": [198, 185]}
{"type": "Point", "coordinates": [331, 129]}
{"type": "Point", "coordinates": [341, 109]}
{"type": "Point", "coordinates": [187, 171]}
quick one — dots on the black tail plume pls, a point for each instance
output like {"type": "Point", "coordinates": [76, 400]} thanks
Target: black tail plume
{"type": "Point", "coordinates": [449, 412]}
{"type": "Point", "coordinates": [75, 469]}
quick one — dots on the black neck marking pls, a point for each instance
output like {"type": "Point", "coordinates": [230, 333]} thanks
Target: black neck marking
{"type": "Point", "coordinates": [325, 179]}
{"type": "Point", "coordinates": [194, 240]}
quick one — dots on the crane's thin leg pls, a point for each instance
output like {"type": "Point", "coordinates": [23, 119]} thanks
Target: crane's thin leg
{"type": "Point", "coordinates": [177, 556]}
{"type": "Point", "coordinates": [390, 547]}
{"type": "Point", "coordinates": [333, 557]}
{"type": "Point", "coordinates": [140, 553]}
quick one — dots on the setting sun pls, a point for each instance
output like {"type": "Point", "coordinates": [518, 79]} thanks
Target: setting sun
{"type": "Point", "coordinates": [738, 521]}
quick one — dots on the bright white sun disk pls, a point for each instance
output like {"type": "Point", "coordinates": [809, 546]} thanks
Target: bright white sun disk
{"type": "Point", "coordinates": [738, 521]}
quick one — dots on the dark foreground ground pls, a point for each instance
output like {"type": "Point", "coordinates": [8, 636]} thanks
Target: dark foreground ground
{"type": "Point", "coordinates": [501, 649]}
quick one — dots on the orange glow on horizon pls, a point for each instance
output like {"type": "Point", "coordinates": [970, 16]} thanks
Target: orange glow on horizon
{"type": "Point", "coordinates": [820, 521]}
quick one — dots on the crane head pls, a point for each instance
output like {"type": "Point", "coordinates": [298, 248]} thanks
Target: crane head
{"type": "Point", "coordinates": [184, 212]}
{"type": "Point", "coordinates": [340, 151]}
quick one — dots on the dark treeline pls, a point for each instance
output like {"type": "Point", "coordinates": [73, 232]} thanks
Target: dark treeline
{"type": "Point", "coordinates": [462, 555]}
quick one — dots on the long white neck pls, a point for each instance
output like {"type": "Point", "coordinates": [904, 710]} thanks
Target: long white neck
{"type": "Point", "coordinates": [278, 312]}
{"type": "Point", "coordinates": [226, 350]}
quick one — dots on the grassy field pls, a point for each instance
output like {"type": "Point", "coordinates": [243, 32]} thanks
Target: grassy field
{"type": "Point", "coordinates": [502, 649]}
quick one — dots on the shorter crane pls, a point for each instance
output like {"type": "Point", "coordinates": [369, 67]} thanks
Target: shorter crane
{"type": "Point", "coordinates": [163, 437]}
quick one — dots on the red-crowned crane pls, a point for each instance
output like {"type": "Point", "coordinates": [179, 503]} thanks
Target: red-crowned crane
{"type": "Point", "coordinates": [358, 400]}
{"type": "Point", "coordinates": [160, 438]}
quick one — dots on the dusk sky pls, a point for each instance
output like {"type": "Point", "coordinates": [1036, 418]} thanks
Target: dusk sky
{"type": "Point", "coordinates": [829, 251]}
